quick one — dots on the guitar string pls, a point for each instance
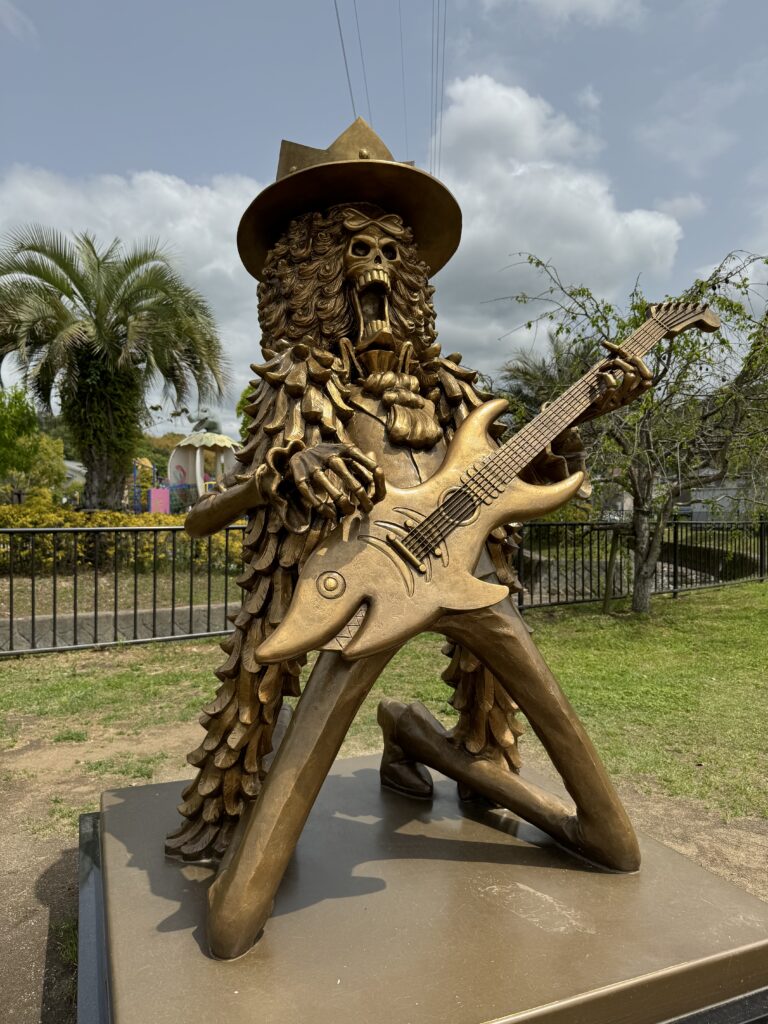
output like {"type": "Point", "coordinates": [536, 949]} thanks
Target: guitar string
{"type": "Point", "coordinates": [499, 463]}
{"type": "Point", "coordinates": [501, 466]}
{"type": "Point", "coordinates": [526, 443]}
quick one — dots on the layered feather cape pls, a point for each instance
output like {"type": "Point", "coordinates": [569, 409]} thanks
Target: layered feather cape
{"type": "Point", "coordinates": [299, 399]}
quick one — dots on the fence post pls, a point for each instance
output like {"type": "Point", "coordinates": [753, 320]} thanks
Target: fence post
{"type": "Point", "coordinates": [521, 592]}
{"type": "Point", "coordinates": [763, 537]}
{"type": "Point", "coordinates": [611, 568]}
{"type": "Point", "coordinates": [675, 554]}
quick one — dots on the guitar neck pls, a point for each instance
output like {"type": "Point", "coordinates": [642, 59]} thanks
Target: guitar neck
{"type": "Point", "coordinates": [539, 432]}
{"type": "Point", "coordinates": [485, 480]}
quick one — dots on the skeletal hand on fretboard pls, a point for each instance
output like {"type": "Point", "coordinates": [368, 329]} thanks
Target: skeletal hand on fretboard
{"type": "Point", "coordinates": [625, 378]}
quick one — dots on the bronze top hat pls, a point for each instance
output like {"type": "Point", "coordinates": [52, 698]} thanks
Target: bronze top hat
{"type": "Point", "coordinates": [357, 167]}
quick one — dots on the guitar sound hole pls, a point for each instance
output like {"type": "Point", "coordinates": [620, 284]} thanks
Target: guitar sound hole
{"type": "Point", "coordinates": [458, 507]}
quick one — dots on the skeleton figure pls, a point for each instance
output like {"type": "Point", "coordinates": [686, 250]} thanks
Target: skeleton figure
{"type": "Point", "coordinates": [354, 392]}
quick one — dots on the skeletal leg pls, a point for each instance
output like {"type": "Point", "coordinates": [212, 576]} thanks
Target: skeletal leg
{"type": "Point", "coordinates": [421, 736]}
{"type": "Point", "coordinates": [398, 771]}
{"type": "Point", "coordinates": [241, 896]}
{"type": "Point", "coordinates": [497, 636]}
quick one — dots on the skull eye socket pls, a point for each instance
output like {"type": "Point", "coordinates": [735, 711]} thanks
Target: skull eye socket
{"type": "Point", "coordinates": [389, 252]}
{"type": "Point", "coordinates": [360, 248]}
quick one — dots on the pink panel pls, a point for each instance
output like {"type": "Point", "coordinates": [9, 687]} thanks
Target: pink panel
{"type": "Point", "coordinates": [159, 500]}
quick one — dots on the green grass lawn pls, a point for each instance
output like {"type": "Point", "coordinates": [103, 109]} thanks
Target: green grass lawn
{"type": "Point", "coordinates": [677, 700]}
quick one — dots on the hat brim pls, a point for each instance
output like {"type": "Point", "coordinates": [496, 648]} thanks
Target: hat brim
{"type": "Point", "coordinates": [424, 203]}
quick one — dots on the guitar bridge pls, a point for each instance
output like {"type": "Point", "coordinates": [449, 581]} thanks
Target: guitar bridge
{"type": "Point", "coordinates": [405, 553]}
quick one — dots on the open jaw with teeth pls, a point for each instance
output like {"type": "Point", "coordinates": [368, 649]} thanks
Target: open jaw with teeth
{"type": "Point", "coordinates": [371, 297]}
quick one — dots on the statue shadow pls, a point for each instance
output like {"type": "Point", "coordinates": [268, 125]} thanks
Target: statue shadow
{"type": "Point", "coordinates": [397, 827]}
{"type": "Point", "coordinates": [353, 824]}
{"type": "Point", "coordinates": [56, 888]}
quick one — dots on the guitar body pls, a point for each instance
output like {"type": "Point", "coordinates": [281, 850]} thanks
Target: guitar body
{"type": "Point", "coordinates": [365, 560]}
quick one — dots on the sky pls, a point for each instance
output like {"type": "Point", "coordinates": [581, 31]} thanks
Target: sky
{"type": "Point", "coordinates": [616, 138]}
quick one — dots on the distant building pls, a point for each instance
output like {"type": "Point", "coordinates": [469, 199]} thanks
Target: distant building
{"type": "Point", "coordinates": [729, 499]}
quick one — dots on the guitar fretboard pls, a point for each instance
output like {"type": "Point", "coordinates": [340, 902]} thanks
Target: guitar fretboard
{"type": "Point", "coordinates": [486, 479]}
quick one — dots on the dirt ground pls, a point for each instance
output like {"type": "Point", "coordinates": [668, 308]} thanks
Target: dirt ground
{"type": "Point", "coordinates": [44, 785]}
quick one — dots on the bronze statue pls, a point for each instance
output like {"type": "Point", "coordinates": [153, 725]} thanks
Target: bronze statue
{"type": "Point", "coordinates": [377, 502]}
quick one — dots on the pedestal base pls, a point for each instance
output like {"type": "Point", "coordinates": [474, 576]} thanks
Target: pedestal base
{"type": "Point", "coordinates": [395, 911]}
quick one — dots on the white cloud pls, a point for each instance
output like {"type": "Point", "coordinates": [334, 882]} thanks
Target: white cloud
{"type": "Point", "coordinates": [486, 119]}
{"type": "Point", "coordinates": [682, 207]}
{"type": "Point", "coordinates": [15, 21]}
{"type": "Point", "coordinates": [521, 171]}
{"type": "Point", "coordinates": [516, 168]}
{"type": "Point", "coordinates": [593, 12]}
{"type": "Point", "coordinates": [589, 99]}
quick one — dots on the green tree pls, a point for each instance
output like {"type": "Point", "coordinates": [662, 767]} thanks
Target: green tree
{"type": "Point", "coordinates": [245, 419]}
{"type": "Point", "coordinates": [17, 420]}
{"type": "Point", "coordinates": [40, 466]}
{"type": "Point", "coordinates": [100, 327]}
{"type": "Point", "coordinates": [707, 408]}
{"type": "Point", "coordinates": [52, 424]}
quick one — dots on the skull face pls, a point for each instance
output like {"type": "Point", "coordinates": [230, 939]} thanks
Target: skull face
{"type": "Point", "coordinates": [371, 260]}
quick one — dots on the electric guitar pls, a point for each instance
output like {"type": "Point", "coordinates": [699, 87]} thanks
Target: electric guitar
{"type": "Point", "coordinates": [412, 557]}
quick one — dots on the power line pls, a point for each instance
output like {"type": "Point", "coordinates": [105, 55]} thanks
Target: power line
{"type": "Point", "coordinates": [432, 90]}
{"type": "Point", "coordinates": [344, 54]}
{"type": "Point", "coordinates": [402, 75]}
{"type": "Point", "coordinates": [362, 61]}
{"type": "Point", "coordinates": [442, 93]}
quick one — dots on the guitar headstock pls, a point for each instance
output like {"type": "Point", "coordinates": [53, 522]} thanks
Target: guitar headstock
{"type": "Point", "coordinates": [682, 316]}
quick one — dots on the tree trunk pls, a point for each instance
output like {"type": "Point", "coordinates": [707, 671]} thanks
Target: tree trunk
{"type": "Point", "coordinates": [104, 482]}
{"type": "Point", "coordinates": [648, 536]}
{"type": "Point", "coordinates": [642, 588]}
{"type": "Point", "coordinates": [643, 574]}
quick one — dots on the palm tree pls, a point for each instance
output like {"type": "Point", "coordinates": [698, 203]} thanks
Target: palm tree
{"type": "Point", "coordinates": [100, 327]}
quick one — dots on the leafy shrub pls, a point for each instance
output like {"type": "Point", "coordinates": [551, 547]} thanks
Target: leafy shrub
{"type": "Point", "coordinates": [128, 549]}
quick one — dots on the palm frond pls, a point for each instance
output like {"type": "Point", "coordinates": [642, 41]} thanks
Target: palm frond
{"type": "Point", "coordinates": [50, 245]}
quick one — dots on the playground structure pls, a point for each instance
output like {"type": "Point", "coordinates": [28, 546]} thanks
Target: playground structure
{"type": "Point", "coordinates": [186, 465]}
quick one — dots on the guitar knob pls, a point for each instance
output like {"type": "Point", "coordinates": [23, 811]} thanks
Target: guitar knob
{"type": "Point", "coordinates": [331, 584]}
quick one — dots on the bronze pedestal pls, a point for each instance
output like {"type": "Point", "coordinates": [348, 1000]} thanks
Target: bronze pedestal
{"type": "Point", "coordinates": [395, 911]}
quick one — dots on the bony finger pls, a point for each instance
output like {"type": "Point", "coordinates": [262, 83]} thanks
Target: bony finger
{"type": "Point", "coordinates": [339, 498]}
{"type": "Point", "coordinates": [299, 471]}
{"type": "Point", "coordinates": [364, 463]}
{"type": "Point", "coordinates": [628, 381]}
{"type": "Point", "coordinates": [353, 452]}
{"type": "Point", "coordinates": [355, 486]}
{"type": "Point", "coordinates": [616, 349]}
{"type": "Point", "coordinates": [353, 475]}
{"type": "Point", "coordinates": [608, 379]}
{"type": "Point", "coordinates": [641, 368]}
{"type": "Point", "coordinates": [322, 505]}
{"type": "Point", "coordinates": [623, 365]}
{"type": "Point", "coordinates": [306, 494]}
{"type": "Point", "coordinates": [379, 484]}
{"type": "Point", "coordinates": [361, 497]}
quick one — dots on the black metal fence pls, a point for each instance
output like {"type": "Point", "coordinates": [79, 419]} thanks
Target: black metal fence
{"type": "Point", "coordinates": [62, 589]}
{"type": "Point", "coordinates": [72, 588]}
{"type": "Point", "coordinates": [572, 563]}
